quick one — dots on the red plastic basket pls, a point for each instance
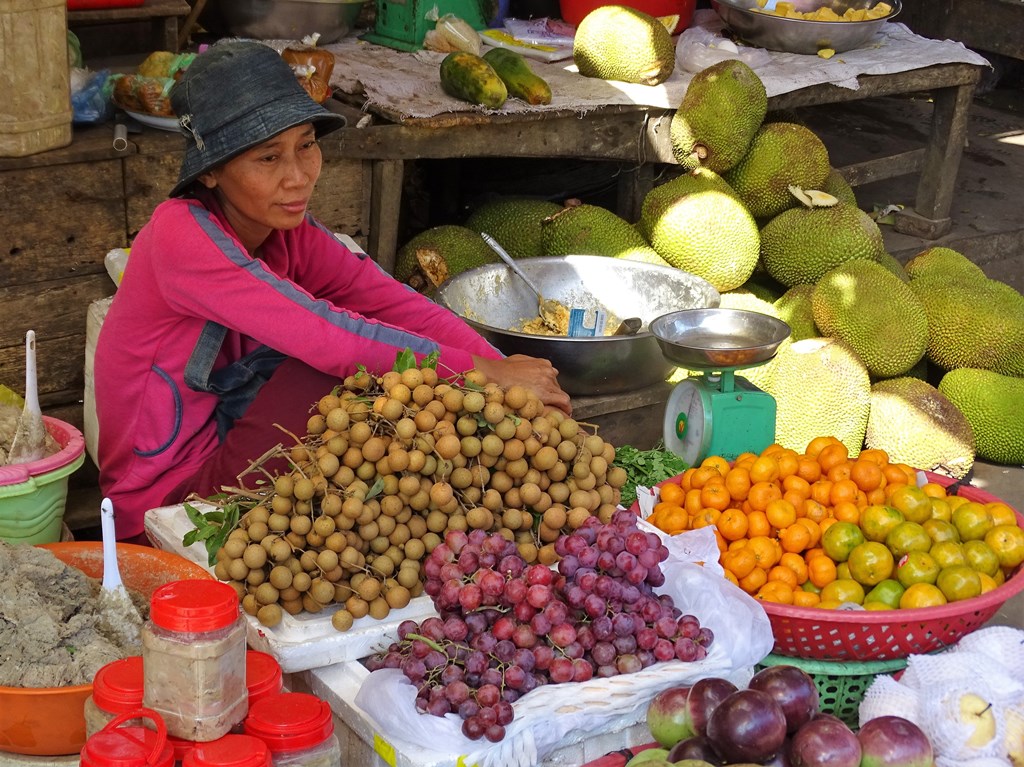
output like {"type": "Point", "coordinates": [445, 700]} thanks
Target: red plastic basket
{"type": "Point", "coordinates": [810, 632]}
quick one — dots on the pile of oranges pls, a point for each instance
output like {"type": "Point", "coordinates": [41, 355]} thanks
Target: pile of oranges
{"type": "Point", "coordinates": [819, 529]}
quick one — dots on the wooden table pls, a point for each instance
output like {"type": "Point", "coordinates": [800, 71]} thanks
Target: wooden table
{"type": "Point", "coordinates": [638, 137]}
{"type": "Point", "coordinates": [163, 15]}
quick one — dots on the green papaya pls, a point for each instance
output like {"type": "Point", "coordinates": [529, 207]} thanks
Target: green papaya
{"type": "Point", "coordinates": [468, 77]}
{"type": "Point", "coordinates": [520, 80]}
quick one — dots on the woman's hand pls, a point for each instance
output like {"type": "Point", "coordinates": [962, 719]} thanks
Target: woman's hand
{"type": "Point", "coordinates": [532, 372]}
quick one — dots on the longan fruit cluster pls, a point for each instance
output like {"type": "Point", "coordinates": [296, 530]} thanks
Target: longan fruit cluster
{"type": "Point", "coordinates": [392, 463]}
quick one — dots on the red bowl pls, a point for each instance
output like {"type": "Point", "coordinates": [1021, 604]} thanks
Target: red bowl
{"type": "Point", "coordinates": [50, 721]}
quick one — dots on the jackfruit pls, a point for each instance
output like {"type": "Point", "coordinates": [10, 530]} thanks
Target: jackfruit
{"type": "Point", "coordinates": [837, 186]}
{"type": "Point", "coordinates": [614, 42]}
{"type": "Point", "coordinates": [719, 114]}
{"type": "Point", "coordinates": [875, 313]}
{"type": "Point", "coordinates": [460, 247]}
{"type": "Point", "coordinates": [915, 424]}
{"type": "Point", "coordinates": [514, 223]}
{"type": "Point", "coordinates": [794, 308]}
{"type": "Point", "coordinates": [800, 244]}
{"type": "Point", "coordinates": [943, 263]}
{"type": "Point", "coordinates": [697, 224]}
{"type": "Point", "coordinates": [973, 324]}
{"type": "Point", "coordinates": [992, 404]}
{"type": "Point", "coordinates": [890, 262]}
{"type": "Point", "coordinates": [590, 230]}
{"type": "Point", "coordinates": [781, 155]}
{"type": "Point", "coordinates": [760, 287]}
{"type": "Point", "coordinates": [820, 387]}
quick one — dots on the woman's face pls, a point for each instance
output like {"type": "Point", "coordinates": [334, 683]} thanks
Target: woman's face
{"type": "Point", "coordinates": [269, 186]}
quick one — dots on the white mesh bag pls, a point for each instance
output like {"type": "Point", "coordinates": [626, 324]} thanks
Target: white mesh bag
{"type": "Point", "coordinates": [887, 697]}
{"type": "Point", "coordinates": [951, 718]}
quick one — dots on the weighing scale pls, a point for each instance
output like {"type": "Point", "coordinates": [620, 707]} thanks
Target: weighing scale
{"type": "Point", "coordinates": [715, 411]}
{"type": "Point", "coordinates": [402, 24]}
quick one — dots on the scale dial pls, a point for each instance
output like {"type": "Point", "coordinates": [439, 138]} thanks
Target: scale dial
{"type": "Point", "coordinates": [687, 427]}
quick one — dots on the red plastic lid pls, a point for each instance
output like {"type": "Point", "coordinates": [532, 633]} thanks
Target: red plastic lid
{"type": "Point", "coordinates": [117, 746]}
{"type": "Point", "coordinates": [194, 606]}
{"type": "Point", "coordinates": [290, 721]}
{"type": "Point", "coordinates": [263, 675]}
{"type": "Point", "coordinates": [181, 747]}
{"type": "Point", "coordinates": [229, 751]}
{"type": "Point", "coordinates": [117, 687]}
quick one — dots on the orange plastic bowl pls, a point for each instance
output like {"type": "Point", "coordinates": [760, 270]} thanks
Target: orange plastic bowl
{"type": "Point", "coordinates": [50, 721]}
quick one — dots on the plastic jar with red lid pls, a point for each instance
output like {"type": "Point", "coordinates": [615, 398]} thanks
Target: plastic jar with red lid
{"type": "Point", "coordinates": [263, 675]}
{"type": "Point", "coordinates": [298, 728]}
{"type": "Point", "coordinates": [119, 744]}
{"type": "Point", "coordinates": [116, 689]}
{"type": "Point", "coordinates": [229, 751]}
{"type": "Point", "coordinates": [193, 647]}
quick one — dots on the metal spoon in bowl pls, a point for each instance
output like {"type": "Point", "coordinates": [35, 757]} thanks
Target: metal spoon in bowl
{"type": "Point", "coordinates": [549, 309]}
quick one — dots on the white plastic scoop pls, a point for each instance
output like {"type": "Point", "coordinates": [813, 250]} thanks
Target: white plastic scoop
{"type": "Point", "coordinates": [120, 617]}
{"type": "Point", "coordinates": [29, 442]}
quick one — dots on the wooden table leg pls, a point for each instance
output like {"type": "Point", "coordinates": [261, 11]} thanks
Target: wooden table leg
{"type": "Point", "coordinates": [930, 217]}
{"type": "Point", "coordinates": [385, 206]}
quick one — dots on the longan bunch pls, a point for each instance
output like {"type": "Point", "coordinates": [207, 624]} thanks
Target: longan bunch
{"type": "Point", "coordinates": [390, 464]}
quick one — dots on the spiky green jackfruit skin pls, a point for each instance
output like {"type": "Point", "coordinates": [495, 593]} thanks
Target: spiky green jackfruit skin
{"type": "Point", "coordinates": [875, 313]}
{"type": "Point", "coordinates": [589, 230]}
{"type": "Point", "coordinates": [614, 42]}
{"type": "Point", "coordinates": [820, 387]}
{"type": "Point", "coordinates": [514, 222]}
{"type": "Point", "coordinates": [917, 425]}
{"type": "Point", "coordinates": [781, 155]}
{"type": "Point", "coordinates": [646, 255]}
{"type": "Point", "coordinates": [763, 290]}
{"type": "Point", "coordinates": [800, 244]}
{"type": "Point", "coordinates": [460, 247]}
{"type": "Point", "coordinates": [992, 405]}
{"type": "Point", "coordinates": [794, 308]}
{"type": "Point", "coordinates": [837, 186]}
{"type": "Point", "coordinates": [890, 262]}
{"type": "Point", "coordinates": [943, 263]}
{"type": "Point", "coordinates": [973, 324]}
{"type": "Point", "coordinates": [697, 224]}
{"type": "Point", "coordinates": [719, 114]}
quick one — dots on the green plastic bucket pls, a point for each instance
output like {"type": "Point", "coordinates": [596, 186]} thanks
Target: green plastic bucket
{"type": "Point", "coordinates": [33, 495]}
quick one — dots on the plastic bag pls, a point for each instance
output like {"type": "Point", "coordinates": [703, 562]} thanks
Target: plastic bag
{"type": "Point", "coordinates": [91, 102]}
{"type": "Point", "coordinates": [698, 48]}
{"type": "Point", "coordinates": [450, 33]}
{"type": "Point", "coordinates": [312, 66]}
{"type": "Point", "coordinates": [743, 637]}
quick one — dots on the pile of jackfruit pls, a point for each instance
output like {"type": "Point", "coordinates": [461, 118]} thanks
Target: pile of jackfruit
{"type": "Point", "coordinates": [923, 360]}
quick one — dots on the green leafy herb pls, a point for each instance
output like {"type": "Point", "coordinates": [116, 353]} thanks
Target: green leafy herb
{"type": "Point", "coordinates": [646, 468]}
{"type": "Point", "coordinates": [405, 359]}
{"type": "Point", "coordinates": [212, 528]}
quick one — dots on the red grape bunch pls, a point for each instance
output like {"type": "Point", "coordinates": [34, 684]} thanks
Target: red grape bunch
{"type": "Point", "coordinates": [505, 627]}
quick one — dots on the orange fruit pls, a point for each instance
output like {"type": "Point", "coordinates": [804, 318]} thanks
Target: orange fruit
{"type": "Point", "coordinates": [685, 477]}
{"type": "Point", "coordinates": [840, 471]}
{"type": "Point", "coordinates": [784, 574]}
{"type": "Point", "coordinates": [808, 469]}
{"type": "Point", "coordinates": [907, 537]}
{"type": "Point", "coordinates": [840, 539]}
{"type": "Point", "coordinates": [718, 462]}
{"type": "Point", "coordinates": [878, 457]}
{"type": "Point", "coordinates": [917, 567]}
{"type": "Point", "coordinates": [764, 469]}
{"type": "Point", "coordinates": [981, 557]}
{"type": "Point", "coordinates": [706, 518]}
{"type": "Point", "coordinates": [933, 490]}
{"type": "Point", "coordinates": [754, 580]}
{"type": "Point", "coordinates": [972, 520]}
{"type": "Point", "coordinates": [846, 511]}
{"type": "Point", "coordinates": [876, 496]}
{"type": "Point", "coordinates": [775, 591]}
{"type": "Point", "coordinates": [899, 474]}
{"type": "Point", "coordinates": [987, 582]}
{"type": "Point", "coordinates": [780, 513]}
{"type": "Point", "coordinates": [867, 475]}
{"type": "Point", "coordinates": [870, 563]}
{"type": "Point", "coordinates": [821, 491]}
{"type": "Point", "coordinates": [733, 524]}
{"type": "Point", "coordinates": [789, 462]}
{"type": "Point", "coordinates": [762, 493]}
{"type": "Point", "coordinates": [795, 538]}
{"type": "Point", "coordinates": [876, 521]}
{"type": "Point", "coordinates": [715, 496]}
{"type": "Point", "coordinates": [843, 490]}
{"type": "Point", "coordinates": [670, 492]}
{"type": "Point", "coordinates": [739, 562]}
{"type": "Point", "coordinates": [702, 475]}
{"type": "Point", "coordinates": [737, 482]}
{"type": "Point", "coordinates": [842, 590]}
{"type": "Point", "coordinates": [922, 595]}
{"type": "Point", "coordinates": [803, 598]}
{"type": "Point", "coordinates": [796, 563]}
{"type": "Point", "coordinates": [821, 571]}
{"type": "Point", "coordinates": [833, 455]}
{"type": "Point", "coordinates": [958, 582]}
{"type": "Point", "coordinates": [1001, 513]}
{"type": "Point", "coordinates": [816, 445]}
{"type": "Point", "coordinates": [758, 524]}
{"type": "Point", "coordinates": [912, 501]}
{"type": "Point", "coordinates": [813, 510]}
{"type": "Point", "coordinates": [1007, 541]}
{"type": "Point", "coordinates": [766, 550]}
{"type": "Point", "coordinates": [812, 528]}
{"type": "Point", "coordinates": [670, 518]}
{"type": "Point", "coordinates": [692, 503]}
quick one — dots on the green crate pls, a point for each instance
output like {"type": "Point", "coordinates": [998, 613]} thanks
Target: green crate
{"type": "Point", "coordinates": [841, 684]}
{"type": "Point", "coordinates": [402, 24]}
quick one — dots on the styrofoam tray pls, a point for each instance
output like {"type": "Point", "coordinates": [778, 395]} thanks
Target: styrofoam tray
{"type": "Point", "coordinates": [300, 642]}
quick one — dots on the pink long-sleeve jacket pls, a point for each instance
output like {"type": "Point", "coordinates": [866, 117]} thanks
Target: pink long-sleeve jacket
{"type": "Point", "coordinates": [306, 295]}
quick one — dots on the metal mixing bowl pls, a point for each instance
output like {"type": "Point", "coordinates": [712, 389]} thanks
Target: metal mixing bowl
{"type": "Point", "coordinates": [718, 338]}
{"type": "Point", "coordinates": [778, 33]}
{"type": "Point", "coordinates": [493, 300]}
{"type": "Point", "coordinates": [282, 19]}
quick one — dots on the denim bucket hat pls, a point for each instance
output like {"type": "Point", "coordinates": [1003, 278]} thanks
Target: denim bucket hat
{"type": "Point", "coordinates": [235, 95]}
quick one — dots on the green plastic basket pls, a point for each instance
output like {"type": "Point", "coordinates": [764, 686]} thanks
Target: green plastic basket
{"type": "Point", "coordinates": [841, 684]}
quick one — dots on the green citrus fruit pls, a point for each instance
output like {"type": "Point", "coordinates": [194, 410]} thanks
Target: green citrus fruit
{"type": "Point", "coordinates": [922, 595]}
{"type": "Point", "coordinates": [948, 553]}
{"type": "Point", "coordinates": [914, 502]}
{"type": "Point", "coordinates": [958, 582]}
{"type": "Point", "coordinates": [888, 592]}
{"type": "Point", "coordinates": [981, 557]}
{"type": "Point", "coordinates": [870, 563]}
{"type": "Point", "coordinates": [1007, 541]}
{"type": "Point", "coordinates": [907, 537]}
{"type": "Point", "coordinates": [917, 567]}
{"type": "Point", "coordinates": [840, 538]}
{"type": "Point", "coordinates": [940, 530]}
{"type": "Point", "coordinates": [876, 521]}
{"type": "Point", "coordinates": [972, 521]}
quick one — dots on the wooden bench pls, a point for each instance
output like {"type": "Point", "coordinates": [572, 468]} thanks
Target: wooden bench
{"type": "Point", "coordinates": [163, 17]}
